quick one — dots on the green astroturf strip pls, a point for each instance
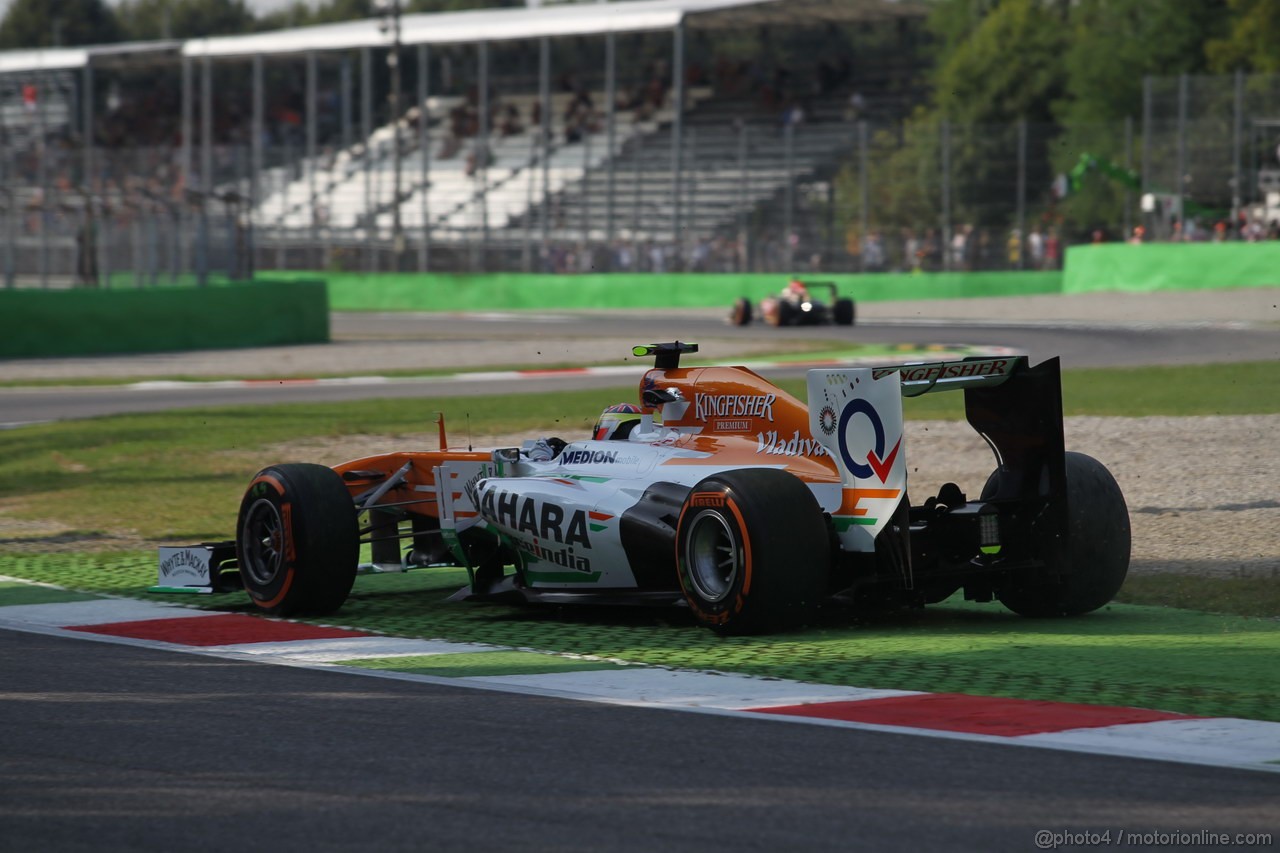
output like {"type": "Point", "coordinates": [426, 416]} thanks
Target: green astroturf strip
{"type": "Point", "coordinates": [1151, 657]}
{"type": "Point", "coordinates": [14, 593]}
{"type": "Point", "coordinates": [481, 663]}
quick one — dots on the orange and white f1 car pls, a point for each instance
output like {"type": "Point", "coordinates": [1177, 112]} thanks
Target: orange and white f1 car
{"type": "Point", "coordinates": [724, 492]}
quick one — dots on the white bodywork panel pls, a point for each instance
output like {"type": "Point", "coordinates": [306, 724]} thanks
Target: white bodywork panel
{"type": "Point", "coordinates": [857, 416]}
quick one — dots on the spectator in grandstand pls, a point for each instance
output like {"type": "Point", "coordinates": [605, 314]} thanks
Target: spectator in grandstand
{"type": "Point", "coordinates": [960, 247]}
{"type": "Point", "coordinates": [87, 252]}
{"type": "Point", "coordinates": [873, 253]}
{"type": "Point", "coordinates": [622, 256]}
{"type": "Point", "coordinates": [508, 121]}
{"type": "Point", "coordinates": [1035, 248]}
{"type": "Point", "coordinates": [931, 251]}
{"type": "Point", "coordinates": [912, 250]}
{"type": "Point", "coordinates": [1013, 249]}
{"type": "Point", "coordinates": [657, 258]}
{"type": "Point", "coordinates": [1138, 236]}
{"type": "Point", "coordinates": [1052, 250]}
{"type": "Point", "coordinates": [855, 107]}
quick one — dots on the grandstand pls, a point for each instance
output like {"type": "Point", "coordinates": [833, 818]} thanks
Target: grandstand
{"type": "Point", "coordinates": [218, 180]}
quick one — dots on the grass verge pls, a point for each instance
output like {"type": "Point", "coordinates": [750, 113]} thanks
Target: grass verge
{"type": "Point", "coordinates": [1151, 657]}
{"type": "Point", "coordinates": [1257, 597]}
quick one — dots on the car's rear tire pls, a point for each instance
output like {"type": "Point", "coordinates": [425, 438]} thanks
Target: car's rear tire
{"type": "Point", "coordinates": [1098, 543]}
{"type": "Point", "coordinates": [843, 312]}
{"type": "Point", "coordinates": [297, 540]}
{"type": "Point", "coordinates": [740, 315]}
{"type": "Point", "coordinates": [752, 551]}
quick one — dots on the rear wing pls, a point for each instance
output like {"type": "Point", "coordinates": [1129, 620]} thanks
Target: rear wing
{"type": "Point", "coordinates": [856, 414]}
{"type": "Point", "coordinates": [921, 378]}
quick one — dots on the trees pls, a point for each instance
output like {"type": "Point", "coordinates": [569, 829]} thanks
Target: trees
{"type": "Point", "coordinates": [1251, 42]}
{"type": "Point", "coordinates": [50, 23]}
{"type": "Point", "coordinates": [1073, 70]}
{"type": "Point", "coordinates": [144, 20]}
{"type": "Point", "coordinates": [1008, 68]}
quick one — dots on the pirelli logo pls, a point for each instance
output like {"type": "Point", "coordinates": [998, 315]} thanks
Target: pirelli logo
{"type": "Point", "coordinates": [712, 499]}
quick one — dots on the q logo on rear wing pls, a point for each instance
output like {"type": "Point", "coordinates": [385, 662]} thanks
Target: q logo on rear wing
{"type": "Point", "coordinates": [857, 416]}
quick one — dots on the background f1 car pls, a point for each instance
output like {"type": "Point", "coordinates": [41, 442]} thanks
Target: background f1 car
{"type": "Point", "coordinates": [727, 494]}
{"type": "Point", "coordinates": [797, 306]}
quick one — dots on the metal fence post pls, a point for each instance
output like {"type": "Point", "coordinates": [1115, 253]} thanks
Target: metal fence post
{"type": "Point", "coordinates": [42, 173]}
{"type": "Point", "coordinates": [206, 166]}
{"type": "Point", "coordinates": [482, 153]}
{"type": "Point", "coordinates": [585, 198]}
{"type": "Point", "coordinates": [1147, 131]}
{"type": "Point", "coordinates": [1022, 193]}
{"type": "Point", "coordinates": [1183, 81]}
{"type": "Point", "coordinates": [637, 185]}
{"type": "Point", "coordinates": [1237, 133]}
{"type": "Point", "coordinates": [344, 83]}
{"type": "Point", "coordinates": [366, 131]}
{"type": "Point", "coordinates": [313, 230]}
{"type": "Point", "coordinates": [256, 161]}
{"type": "Point", "coordinates": [677, 130]}
{"type": "Point", "coordinates": [611, 97]}
{"type": "Point", "coordinates": [87, 122]}
{"type": "Point", "coordinates": [744, 195]}
{"type": "Point", "coordinates": [691, 207]}
{"type": "Point", "coordinates": [424, 151]}
{"type": "Point", "coordinates": [11, 203]}
{"type": "Point", "coordinates": [544, 133]}
{"type": "Point", "coordinates": [946, 194]}
{"type": "Point", "coordinates": [789, 194]}
{"type": "Point", "coordinates": [1128, 165]}
{"type": "Point", "coordinates": [864, 173]}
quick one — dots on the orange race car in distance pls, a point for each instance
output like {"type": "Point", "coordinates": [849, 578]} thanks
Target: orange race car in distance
{"type": "Point", "coordinates": [796, 305]}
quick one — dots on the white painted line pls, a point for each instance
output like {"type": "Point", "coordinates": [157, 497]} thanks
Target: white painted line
{"type": "Point", "coordinates": [355, 648]}
{"type": "Point", "coordinates": [649, 686]}
{"type": "Point", "coordinates": [1220, 740]}
{"type": "Point", "coordinates": [101, 612]}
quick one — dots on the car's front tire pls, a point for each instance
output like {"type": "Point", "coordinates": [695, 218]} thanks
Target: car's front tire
{"type": "Point", "coordinates": [740, 314]}
{"type": "Point", "coordinates": [297, 540]}
{"type": "Point", "coordinates": [752, 551]}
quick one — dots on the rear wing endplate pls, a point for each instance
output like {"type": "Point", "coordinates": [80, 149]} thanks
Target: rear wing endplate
{"type": "Point", "coordinates": [856, 413]}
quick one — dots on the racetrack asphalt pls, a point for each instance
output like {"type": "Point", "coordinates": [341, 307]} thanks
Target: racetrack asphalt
{"type": "Point", "coordinates": [128, 748]}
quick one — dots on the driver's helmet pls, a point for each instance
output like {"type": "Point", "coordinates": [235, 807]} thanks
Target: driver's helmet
{"type": "Point", "coordinates": [617, 422]}
{"type": "Point", "coordinates": [796, 289]}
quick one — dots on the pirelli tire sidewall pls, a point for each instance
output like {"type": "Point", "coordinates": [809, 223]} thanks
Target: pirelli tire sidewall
{"type": "Point", "coordinates": [766, 534]}
{"type": "Point", "coordinates": [297, 540]}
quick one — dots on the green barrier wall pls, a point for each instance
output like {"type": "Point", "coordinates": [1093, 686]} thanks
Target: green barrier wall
{"type": "Point", "coordinates": [500, 292]}
{"type": "Point", "coordinates": [41, 323]}
{"type": "Point", "coordinates": [1171, 266]}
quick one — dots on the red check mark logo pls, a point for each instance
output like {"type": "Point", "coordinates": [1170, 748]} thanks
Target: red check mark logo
{"type": "Point", "coordinates": [882, 468]}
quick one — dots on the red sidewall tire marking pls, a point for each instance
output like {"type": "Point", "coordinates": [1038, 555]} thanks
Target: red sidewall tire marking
{"type": "Point", "coordinates": [717, 617]}
{"type": "Point", "coordinates": [290, 551]}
